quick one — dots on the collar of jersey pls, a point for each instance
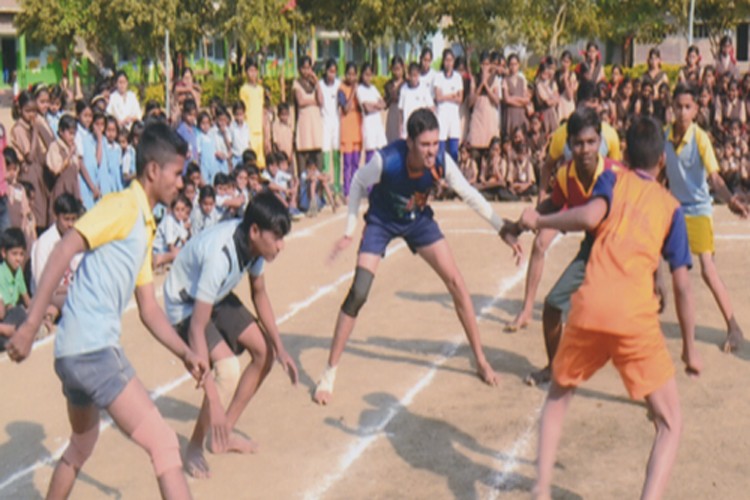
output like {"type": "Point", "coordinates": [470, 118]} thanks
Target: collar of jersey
{"type": "Point", "coordinates": [140, 198]}
{"type": "Point", "coordinates": [573, 174]}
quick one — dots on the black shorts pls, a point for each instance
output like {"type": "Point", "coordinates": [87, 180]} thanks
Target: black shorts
{"type": "Point", "coordinates": [229, 318]}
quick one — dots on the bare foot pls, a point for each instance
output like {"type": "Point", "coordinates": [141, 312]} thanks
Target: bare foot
{"type": "Point", "coordinates": [488, 375]}
{"type": "Point", "coordinates": [195, 462]}
{"type": "Point", "coordinates": [734, 339]}
{"type": "Point", "coordinates": [322, 397]}
{"type": "Point", "coordinates": [239, 444]}
{"type": "Point", "coordinates": [540, 493]}
{"type": "Point", "coordinates": [520, 322]}
{"type": "Point", "coordinates": [538, 378]}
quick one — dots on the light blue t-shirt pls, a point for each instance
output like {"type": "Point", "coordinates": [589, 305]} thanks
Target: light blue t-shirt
{"type": "Point", "coordinates": [207, 268]}
{"type": "Point", "coordinates": [687, 169]}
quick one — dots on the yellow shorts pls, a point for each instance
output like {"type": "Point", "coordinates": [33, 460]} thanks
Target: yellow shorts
{"type": "Point", "coordinates": [700, 230]}
{"type": "Point", "coordinates": [641, 359]}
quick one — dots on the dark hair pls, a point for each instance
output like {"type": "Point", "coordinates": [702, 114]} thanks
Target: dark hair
{"type": "Point", "coordinates": [693, 49]}
{"type": "Point", "coordinates": [350, 65]}
{"type": "Point", "coordinates": [119, 74]}
{"type": "Point", "coordinates": [181, 198]}
{"type": "Point", "coordinates": [413, 67]}
{"type": "Point", "coordinates": [10, 156]}
{"type": "Point", "coordinates": [159, 143]}
{"type": "Point", "coordinates": [421, 120]}
{"type": "Point", "coordinates": [81, 105]}
{"type": "Point", "coordinates": [515, 56]}
{"type": "Point", "coordinates": [252, 169]}
{"type": "Point", "coordinates": [221, 179]}
{"type": "Point", "coordinates": [249, 156]}
{"type": "Point", "coordinates": [56, 93]}
{"type": "Point", "coordinates": [330, 62]}
{"type": "Point", "coordinates": [272, 159]}
{"type": "Point", "coordinates": [310, 162]}
{"type": "Point", "coordinates": [654, 52]}
{"type": "Point", "coordinates": [397, 60]}
{"type": "Point", "coordinates": [12, 238]}
{"type": "Point", "coordinates": [67, 122]}
{"type": "Point", "coordinates": [24, 98]}
{"type": "Point", "coordinates": [591, 44]}
{"type": "Point", "coordinates": [192, 168]}
{"type": "Point", "coordinates": [39, 89]}
{"type": "Point", "coordinates": [586, 91]}
{"type": "Point", "coordinates": [250, 62]}
{"type": "Point", "coordinates": [205, 193]}
{"type": "Point", "coordinates": [645, 142]}
{"type": "Point", "coordinates": [446, 53]}
{"type": "Point", "coordinates": [686, 89]}
{"type": "Point", "coordinates": [202, 116]}
{"type": "Point", "coordinates": [67, 204]}
{"type": "Point", "coordinates": [365, 66]}
{"type": "Point", "coordinates": [581, 119]}
{"type": "Point", "coordinates": [725, 40]}
{"type": "Point", "coordinates": [267, 212]}
{"type": "Point", "coordinates": [189, 106]}
{"type": "Point", "coordinates": [460, 62]}
{"type": "Point", "coordinates": [111, 119]}
{"type": "Point", "coordinates": [425, 51]}
{"type": "Point", "coordinates": [98, 116]}
{"type": "Point", "coordinates": [283, 106]}
{"type": "Point", "coordinates": [566, 53]}
{"type": "Point", "coordinates": [151, 105]}
{"type": "Point", "coordinates": [238, 106]}
{"type": "Point", "coordinates": [136, 130]}
{"type": "Point", "coordinates": [303, 61]}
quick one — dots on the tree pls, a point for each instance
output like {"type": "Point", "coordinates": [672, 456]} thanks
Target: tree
{"type": "Point", "coordinates": [51, 22]}
{"type": "Point", "coordinates": [720, 17]}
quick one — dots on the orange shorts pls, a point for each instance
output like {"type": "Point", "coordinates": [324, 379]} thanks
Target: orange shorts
{"type": "Point", "coordinates": [642, 360]}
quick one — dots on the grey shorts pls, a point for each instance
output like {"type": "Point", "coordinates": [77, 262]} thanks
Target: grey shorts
{"type": "Point", "coordinates": [571, 279]}
{"type": "Point", "coordinates": [96, 377]}
{"type": "Point", "coordinates": [229, 318]}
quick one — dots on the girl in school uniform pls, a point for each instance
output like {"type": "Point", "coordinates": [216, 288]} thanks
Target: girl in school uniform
{"type": "Point", "coordinates": [372, 103]}
{"type": "Point", "coordinates": [485, 101]}
{"type": "Point", "coordinates": [567, 83]}
{"type": "Point", "coordinates": [655, 75]}
{"type": "Point", "coordinates": [63, 161]}
{"type": "Point", "coordinates": [23, 134]}
{"type": "Point", "coordinates": [426, 73]}
{"type": "Point", "coordinates": [449, 94]}
{"type": "Point", "coordinates": [307, 95]}
{"type": "Point", "coordinates": [56, 106]}
{"type": "Point", "coordinates": [110, 172]}
{"type": "Point", "coordinates": [222, 139]}
{"type": "Point", "coordinates": [691, 72]}
{"type": "Point", "coordinates": [329, 114]}
{"type": "Point", "coordinates": [515, 96]}
{"type": "Point", "coordinates": [392, 92]}
{"type": "Point", "coordinates": [351, 125]}
{"type": "Point", "coordinates": [547, 95]}
{"type": "Point", "coordinates": [206, 149]}
{"type": "Point", "coordinates": [91, 155]}
{"type": "Point", "coordinates": [38, 176]}
{"type": "Point", "coordinates": [465, 109]}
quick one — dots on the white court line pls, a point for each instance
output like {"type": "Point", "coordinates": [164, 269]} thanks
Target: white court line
{"type": "Point", "coordinates": [160, 391]}
{"type": "Point", "coordinates": [733, 237]}
{"type": "Point", "coordinates": [360, 445]}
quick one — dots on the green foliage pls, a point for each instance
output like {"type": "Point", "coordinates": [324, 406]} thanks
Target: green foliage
{"type": "Point", "coordinates": [154, 92]}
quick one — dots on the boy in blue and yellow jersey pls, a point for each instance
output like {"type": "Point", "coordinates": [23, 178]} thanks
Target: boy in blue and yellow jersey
{"type": "Point", "coordinates": [691, 169]}
{"type": "Point", "coordinates": [403, 174]}
{"type": "Point", "coordinates": [615, 313]}
{"type": "Point", "coordinates": [117, 235]}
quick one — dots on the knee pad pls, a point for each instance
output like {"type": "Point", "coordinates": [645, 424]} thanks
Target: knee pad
{"type": "Point", "coordinates": [159, 440]}
{"type": "Point", "coordinates": [80, 447]}
{"type": "Point", "coordinates": [358, 292]}
{"type": "Point", "coordinates": [226, 376]}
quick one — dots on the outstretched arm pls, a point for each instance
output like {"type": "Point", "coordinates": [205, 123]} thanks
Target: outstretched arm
{"type": "Point", "coordinates": [583, 218]}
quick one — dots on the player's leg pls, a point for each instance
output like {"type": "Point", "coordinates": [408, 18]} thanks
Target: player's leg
{"type": "Point", "coordinates": [550, 431]}
{"type": "Point", "coordinates": [84, 422]}
{"type": "Point", "coordinates": [664, 408]}
{"type": "Point", "coordinates": [367, 264]}
{"type": "Point", "coordinates": [542, 241]}
{"type": "Point", "coordinates": [440, 258]}
{"type": "Point", "coordinates": [711, 277]}
{"type": "Point", "coordinates": [135, 414]}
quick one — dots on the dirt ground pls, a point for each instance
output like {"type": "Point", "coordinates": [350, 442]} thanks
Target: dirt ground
{"type": "Point", "coordinates": [409, 417]}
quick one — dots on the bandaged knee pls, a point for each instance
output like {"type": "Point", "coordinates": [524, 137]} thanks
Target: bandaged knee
{"type": "Point", "coordinates": [226, 376]}
{"type": "Point", "coordinates": [159, 440]}
{"type": "Point", "coordinates": [80, 447]}
{"type": "Point", "coordinates": [358, 292]}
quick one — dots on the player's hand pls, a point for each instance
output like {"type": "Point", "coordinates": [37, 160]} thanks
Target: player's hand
{"type": "Point", "coordinates": [19, 345]}
{"type": "Point", "coordinates": [529, 219]}
{"type": "Point", "coordinates": [219, 429]}
{"type": "Point", "coordinates": [290, 367]}
{"type": "Point", "coordinates": [487, 374]}
{"type": "Point", "coordinates": [340, 245]}
{"type": "Point", "coordinates": [509, 234]}
{"type": "Point", "coordinates": [693, 362]}
{"type": "Point", "coordinates": [737, 207]}
{"type": "Point", "coordinates": [197, 367]}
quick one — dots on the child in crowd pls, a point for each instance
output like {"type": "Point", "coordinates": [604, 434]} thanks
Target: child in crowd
{"type": "Point", "coordinates": [173, 232]}
{"type": "Point", "coordinates": [222, 139]}
{"type": "Point", "coordinates": [63, 162]}
{"type": "Point", "coordinates": [520, 176]}
{"type": "Point", "coordinates": [494, 171]}
{"type": "Point", "coordinates": [87, 148]}
{"type": "Point", "coordinates": [239, 133]}
{"type": "Point", "coordinates": [315, 189]}
{"type": "Point", "coordinates": [19, 209]}
{"type": "Point", "coordinates": [228, 201]}
{"type": "Point", "coordinates": [204, 214]}
{"type": "Point", "coordinates": [467, 164]}
{"type": "Point", "coordinates": [282, 184]}
{"type": "Point", "coordinates": [537, 143]}
{"type": "Point", "coordinates": [283, 132]}
{"type": "Point", "coordinates": [186, 129]}
{"type": "Point", "coordinates": [207, 150]}
{"type": "Point", "coordinates": [56, 107]}
{"type": "Point", "coordinates": [110, 179]}
{"type": "Point", "coordinates": [13, 292]}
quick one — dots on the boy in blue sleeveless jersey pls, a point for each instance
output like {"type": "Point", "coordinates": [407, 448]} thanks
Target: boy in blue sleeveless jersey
{"type": "Point", "coordinates": [116, 236]}
{"type": "Point", "coordinates": [402, 175]}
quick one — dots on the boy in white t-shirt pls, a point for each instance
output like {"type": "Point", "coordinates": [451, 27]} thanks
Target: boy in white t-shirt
{"type": "Point", "coordinates": [412, 97]}
{"type": "Point", "coordinates": [239, 133]}
{"type": "Point", "coordinates": [282, 184]}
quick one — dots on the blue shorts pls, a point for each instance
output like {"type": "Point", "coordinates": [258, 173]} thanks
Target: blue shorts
{"type": "Point", "coordinates": [96, 377]}
{"type": "Point", "coordinates": [417, 233]}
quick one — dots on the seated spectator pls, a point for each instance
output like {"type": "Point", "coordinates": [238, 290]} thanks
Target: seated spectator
{"type": "Point", "coordinates": [67, 208]}
{"type": "Point", "coordinates": [493, 173]}
{"type": "Point", "coordinates": [173, 232]}
{"type": "Point", "coordinates": [15, 297]}
{"type": "Point", "coordinates": [228, 202]}
{"type": "Point", "coordinates": [19, 206]}
{"type": "Point", "coordinates": [205, 214]}
{"type": "Point", "coordinates": [520, 176]}
{"type": "Point", "coordinates": [281, 183]}
{"type": "Point", "coordinates": [314, 189]}
{"type": "Point", "coordinates": [467, 164]}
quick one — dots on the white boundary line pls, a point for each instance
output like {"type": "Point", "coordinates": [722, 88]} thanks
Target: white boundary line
{"type": "Point", "coordinates": [360, 445]}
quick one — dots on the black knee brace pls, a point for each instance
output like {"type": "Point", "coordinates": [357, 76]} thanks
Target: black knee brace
{"type": "Point", "coordinates": [358, 293]}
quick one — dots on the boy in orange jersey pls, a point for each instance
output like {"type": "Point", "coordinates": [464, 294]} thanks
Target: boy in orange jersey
{"type": "Point", "coordinates": [614, 314]}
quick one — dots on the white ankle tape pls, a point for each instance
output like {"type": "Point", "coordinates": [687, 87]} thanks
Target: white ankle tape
{"type": "Point", "coordinates": [327, 380]}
